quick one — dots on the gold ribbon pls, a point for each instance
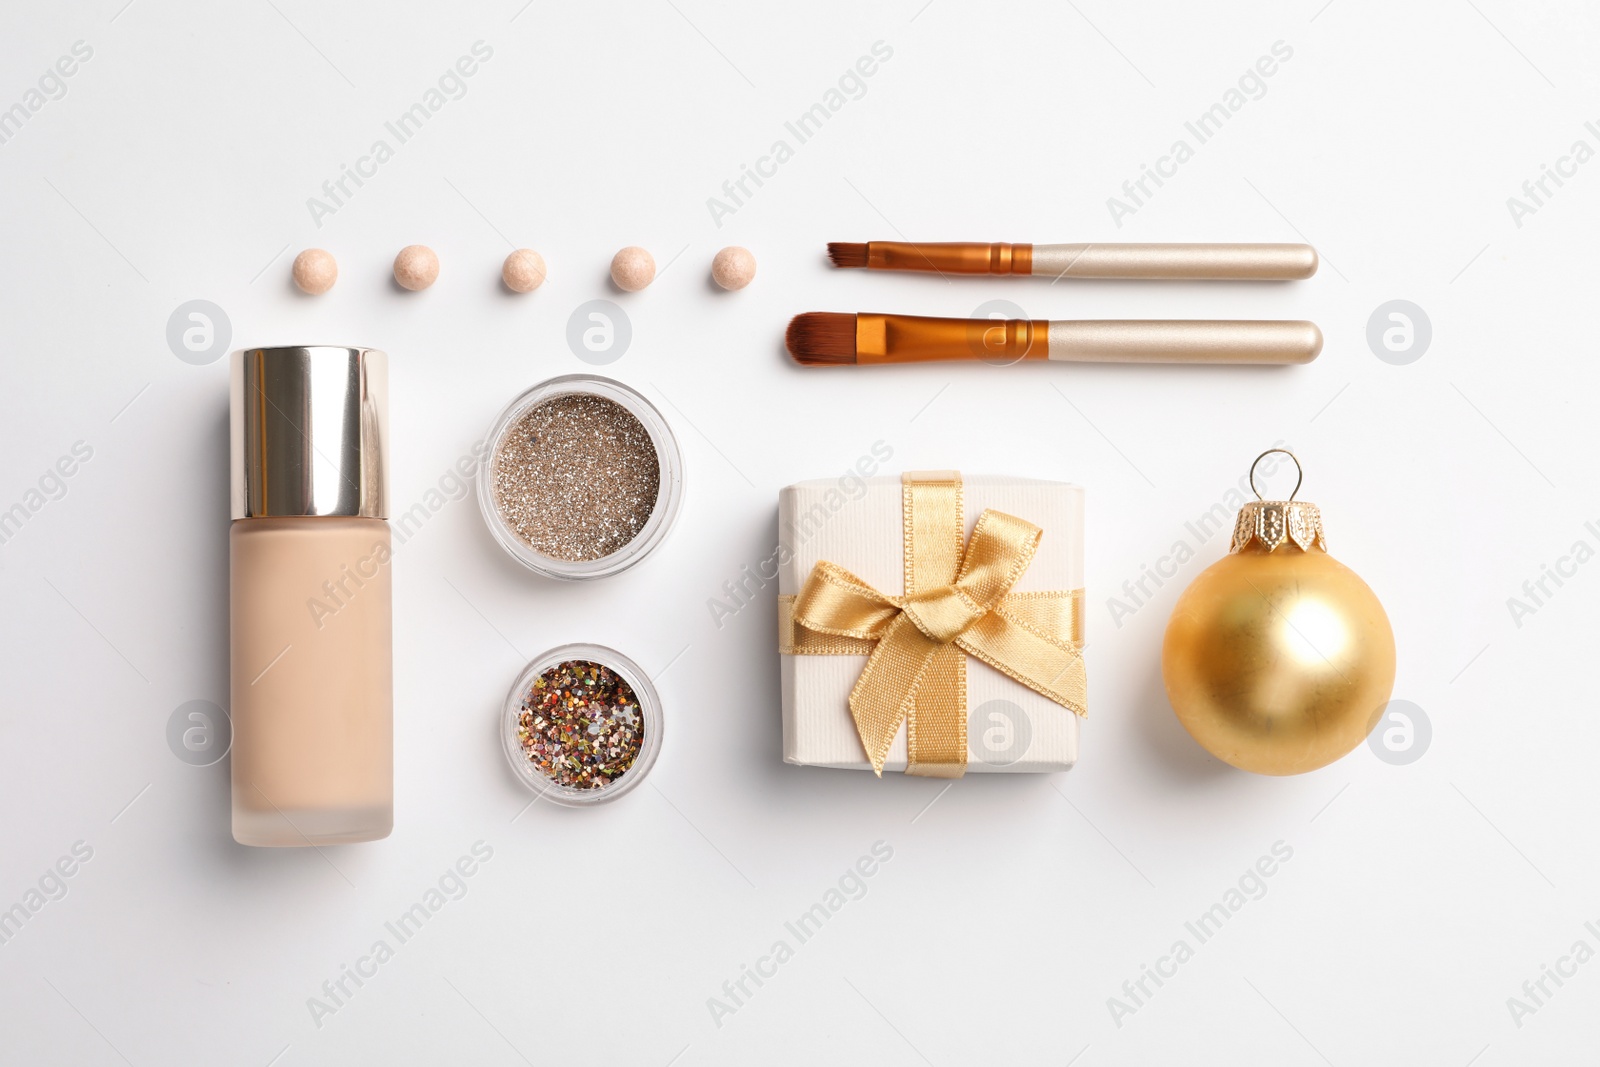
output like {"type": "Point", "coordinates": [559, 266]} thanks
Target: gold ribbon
{"type": "Point", "coordinates": [957, 603]}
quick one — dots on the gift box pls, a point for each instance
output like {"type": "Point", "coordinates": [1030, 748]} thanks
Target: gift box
{"type": "Point", "coordinates": [931, 623]}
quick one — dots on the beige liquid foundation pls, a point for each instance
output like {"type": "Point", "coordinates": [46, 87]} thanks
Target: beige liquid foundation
{"type": "Point", "coordinates": [310, 611]}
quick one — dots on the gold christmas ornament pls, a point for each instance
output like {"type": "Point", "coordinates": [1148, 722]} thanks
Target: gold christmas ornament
{"type": "Point", "coordinates": [1278, 659]}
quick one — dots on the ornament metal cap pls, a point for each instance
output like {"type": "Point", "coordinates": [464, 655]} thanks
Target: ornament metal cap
{"type": "Point", "coordinates": [1274, 523]}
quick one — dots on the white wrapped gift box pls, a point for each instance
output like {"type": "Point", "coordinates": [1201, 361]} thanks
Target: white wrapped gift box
{"type": "Point", "coordinates": [1010, 727]}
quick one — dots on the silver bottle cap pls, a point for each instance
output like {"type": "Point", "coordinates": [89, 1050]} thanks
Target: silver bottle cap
{"type": "Point", "coordinates": [309, 432]}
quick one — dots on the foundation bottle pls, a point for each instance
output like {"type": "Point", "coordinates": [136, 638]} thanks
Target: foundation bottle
{"type": "Point", "coordinates": [309, 583]}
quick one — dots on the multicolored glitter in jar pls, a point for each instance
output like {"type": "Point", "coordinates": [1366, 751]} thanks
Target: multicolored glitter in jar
{"type": "Point", "coordinates": [584, 478]}
{"type": "Point", "coordinates": [582, 723]}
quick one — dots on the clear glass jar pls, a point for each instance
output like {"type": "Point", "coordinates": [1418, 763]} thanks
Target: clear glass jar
{"type": "Point", "coordinates": [649, 709]}
{"type": "Point", "coordinates": [668, 500]}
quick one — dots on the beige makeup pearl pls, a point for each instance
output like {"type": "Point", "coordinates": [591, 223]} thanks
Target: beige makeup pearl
{"type": "Point", "coordinates": [315, 271]}
{"type": "Point", "coordinates": [523, 271]}
{"type": "Point", "coordinates": [633, 268]}
{"type": "Point", "coordinates": [416, 267]}
{"type": "Point", "coordinates": [733, 267]}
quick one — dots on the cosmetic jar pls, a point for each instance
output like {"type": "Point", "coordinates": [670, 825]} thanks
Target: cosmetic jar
{"type": "Point", "coordinates": [584, 478]}
{"type": "Point", "coordinates": [581, 725]}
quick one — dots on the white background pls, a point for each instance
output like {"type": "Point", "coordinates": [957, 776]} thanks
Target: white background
{"type": "Point", "coordinates": [1419, 897]}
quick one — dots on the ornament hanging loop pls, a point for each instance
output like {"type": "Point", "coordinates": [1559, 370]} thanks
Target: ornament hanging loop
{"type": "Point", "coordinates": [1299, 472]}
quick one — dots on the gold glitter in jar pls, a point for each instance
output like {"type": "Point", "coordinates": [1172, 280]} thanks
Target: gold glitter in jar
{"type": "Point", "coordinates": [576, 477]}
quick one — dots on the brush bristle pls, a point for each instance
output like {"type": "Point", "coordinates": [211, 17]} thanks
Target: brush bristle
{"type": "Point", "coordinates": [845, 254]}
{"type": "Point", "coordinates": [822, 338]}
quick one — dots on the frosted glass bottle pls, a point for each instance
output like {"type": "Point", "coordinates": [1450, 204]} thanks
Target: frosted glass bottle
{"type": "Point", "coordinates": [311, 644]}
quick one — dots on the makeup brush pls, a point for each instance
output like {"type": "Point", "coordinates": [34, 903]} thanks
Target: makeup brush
{"type": "Point", "coordinates": [821, 338]}
{"type": "Point", "coordinates": [1192, 262]}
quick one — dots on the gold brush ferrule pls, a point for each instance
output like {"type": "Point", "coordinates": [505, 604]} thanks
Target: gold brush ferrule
{"type": "Point", "coordinates": [955, 257]}
{"type": "Point", "coordinates": [919, 339]}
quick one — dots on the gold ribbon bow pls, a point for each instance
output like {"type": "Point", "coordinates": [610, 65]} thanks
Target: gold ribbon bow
{"type": "Point", "coordinates": [956, 601]}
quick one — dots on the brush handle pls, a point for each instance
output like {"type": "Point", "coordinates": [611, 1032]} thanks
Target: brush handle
{"type": "Point", "coordinates": [1184, 341]}
{"type": "Point", "coordinates": [919, 339]}
{"type": "Point", "coordinates": [1195, 262]}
